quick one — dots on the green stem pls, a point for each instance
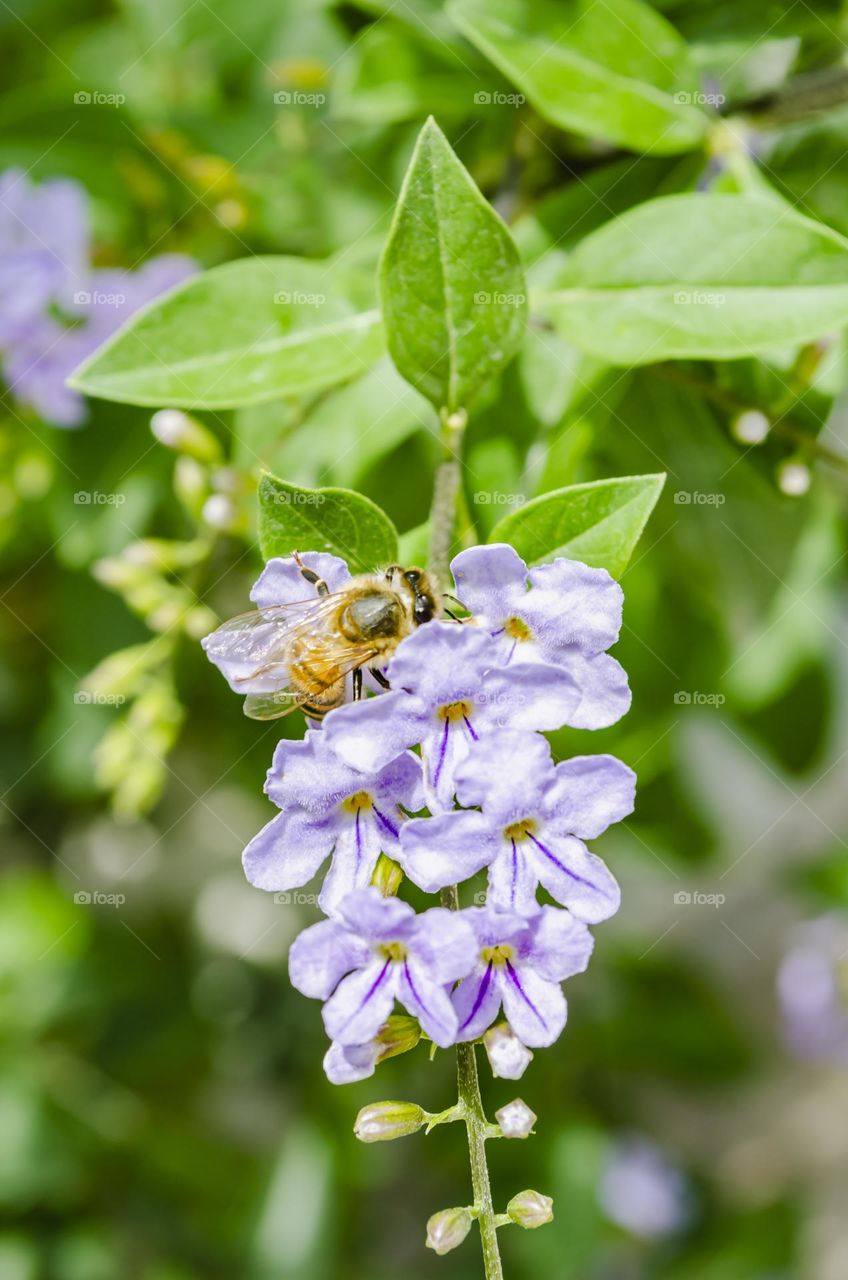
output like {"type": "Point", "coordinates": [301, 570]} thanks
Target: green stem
{"type": "Point", "coordinates": [446, 491]}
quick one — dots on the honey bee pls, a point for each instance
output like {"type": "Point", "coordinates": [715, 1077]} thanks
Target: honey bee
{"type": "Point", "coordinates": [301, 653]}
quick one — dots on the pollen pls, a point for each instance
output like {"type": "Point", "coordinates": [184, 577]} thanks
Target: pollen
{"type": "Point", "coordinates": [499, 955]}
{"type": "Point", "coordinates": [517, 629]}
{"type": "Point", "coordinates": [394, 951]}
{"type": "Point", "coordinates": [357, 802]}
{"type": "Point", "coordinates": [519, 831]}
{"type": "Point", "coordinates": [456, 711]}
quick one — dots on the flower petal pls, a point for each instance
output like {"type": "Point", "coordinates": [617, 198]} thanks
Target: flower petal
{"type": "Point", "coordinates": [321, 956]}
{"type": "Point", "coordinates": [526, 695]}
{"type": "Point", "coordinates": [443, 663]}
{"type": "Point", "coordinates": [557, 946]}
{"type": "Point", "coordinates": [513, 877]}
{"type": "Point", "coordinates": [446, 849]}
{"type": "Point", "coordinates": [375, 918]}
{"type": "Point", "coordinates": [575, 877]}
{"type": "Point", "coordinates": [358, 846]}
{"type": "Point", "coordinates": [361, 1003]}
{"type": "Point", "coordinates": [288, 851]}
{"type": "Point", "coordinates": [605, 693]}
{"type": "Point", "coordinates": [281, 581]}
{"type": "Point", "coordinates": [508, 774]}
{"type": "Point", "coordinates": [589, 794]}
{"type": "Point", "coordinates": [571, 603]}
{"type": "Point", "coordinates": [444, 747]}
{"type": "Point", "coordinates": [368, 735]}
{"type": "Point", "coordinates": [489, 580]}
{"type": "Point", "coordinates": [477, 1000]}
{"type": "Point", "coordinates": [427, 1000]}
{"type": "Point", "coordinates": [534, 1008]}
{"type": "Point", "coordinates": [346, 1063]}
{"type": "Point", "coordinates": [444, 941]}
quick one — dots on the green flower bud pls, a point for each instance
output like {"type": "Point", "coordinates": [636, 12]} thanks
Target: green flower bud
{"type": "Point", "coordinates": [387, 876]}
{"type": "Point", "coordinates": [398, 1034]}
{"type": "Point", "coordinates": [530, 1209]}
{"type": "Point", "coordinates": [185, 434]}
{"type": "Point", "coordinates": [191, 485]}
{"type": "Point", "coordinates": [384, 1121]}
{"type": "Point", "coordinates": [447, 1229]}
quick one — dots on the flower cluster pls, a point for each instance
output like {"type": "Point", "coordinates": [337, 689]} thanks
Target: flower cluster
{"type": "Point", "coordinates": [441, 777]}
{"type": "Point", "coordinates": [57, 309]}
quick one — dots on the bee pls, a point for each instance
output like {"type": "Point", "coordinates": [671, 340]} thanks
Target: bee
{"type": "Point", "coordinates": [301, 653]}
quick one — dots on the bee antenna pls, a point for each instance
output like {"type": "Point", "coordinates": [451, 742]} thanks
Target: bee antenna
{"type": "Point", "coordinates": [447, 595]}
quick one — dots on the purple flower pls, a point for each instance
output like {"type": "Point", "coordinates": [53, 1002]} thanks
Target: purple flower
{"type": "Point", "coordinates": [330, 810]}
{"type": "Point", "coordinates": [564, 614]}
{"type": "Point", "coordinates": [642, 1191]}
{"type": "Point", "coordinates": [520, 964]}
{"type": "Point", "coordinates": [347, 1063]}
{"type": "Point", "coordinates": [448, 691]}
{"type": "Point", "coordinates": [379, 951]}
{"type": "Point", "coordinates": [533, 821]}
{"type": "Point", "coordinates": [280, 582]}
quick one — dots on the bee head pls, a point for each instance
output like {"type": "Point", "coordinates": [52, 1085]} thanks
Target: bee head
{"type": "Point", "coordinates": [415, 586]}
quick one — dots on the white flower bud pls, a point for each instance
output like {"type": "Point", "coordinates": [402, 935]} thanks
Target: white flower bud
{"type": "Point", "coordinates": [508, 1057]}
{"type": "Point", "coordinates": [384, 1121]}
{"type": "Point", "coordinates": [750, 427]}
{"type": "Point", "coordinates": [219, 512]}
{"type": "Point", "coordinates": [794, 479]}
{"type": "Point", "coordinates": [178, 431]}
{"type": "Point", "coordinates": [530, 1209]}
{"type": "Point", "coordinates": [516, 1120]}
{"type": "Point", "coordinates": [447, 1229]}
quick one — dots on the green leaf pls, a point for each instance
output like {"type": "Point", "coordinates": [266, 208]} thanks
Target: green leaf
{"type": "Point", "coordinates": [617, 71]}
{"type": "Point", "coordinates": [453, 292]}
{"type": "Point", "coordinates": [336, 520]}
{"type": "Point", "coordinates": [598, 523]}
{"type": "Point", "coordinates": [701, 276]}
{"type": "Point", "coordinates": [239, 334]}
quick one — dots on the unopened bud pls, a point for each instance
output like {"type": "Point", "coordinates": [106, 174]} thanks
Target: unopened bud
{"type": "Point", "coordinates": [398, 1034]}
{"type": "Point", "coordinates": [191, 484]}
{"type": "Point", "coordinates": [387, 876]}
{"type": "Point", "coordinates": [516, 1120]}
{"type": "Point", "coordinates": [508, 1057]}
{"type": "Point", "coordinates": [531, 1209]}
{"type": "Point", "coordinates": [750, 427]}
{"type": "Point", "coordinates": [186, 435]}
{"type": "Point", "coordinates": [447, 1229]}
{"type": "Point", "coordinates": [385, 1121]}
{"type": "Point", "coordinates": [794, 479]}
{"type": "Point", "coordinates": [220, 512]}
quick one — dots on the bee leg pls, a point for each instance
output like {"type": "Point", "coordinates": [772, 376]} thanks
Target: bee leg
{"type": "Point", "coordinates": [380, 678]}
{"type": "Point", "coordinates": [357, 684]}
{"type": "Point", "coordinates": [311, 576]}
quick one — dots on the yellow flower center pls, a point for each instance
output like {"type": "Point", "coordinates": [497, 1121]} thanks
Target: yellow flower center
{"type": "Point", "coordinates": [517, 629]}
{"type": "Point", "coordinates": [498, 955]}
{"type": "Point", "coordinates": [355, 803]}
{"type": "Point", "coordinates": [519, 831]}
{"type": "Point", "coordinates": [456, 710]}
{"type": "Point", "coordinates": [394, 951]}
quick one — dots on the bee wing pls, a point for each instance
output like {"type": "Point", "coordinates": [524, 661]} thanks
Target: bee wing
{"type": "Point", "coordinates": [329, 663]}
{"type": "Point", "coordinates": [262, 636]}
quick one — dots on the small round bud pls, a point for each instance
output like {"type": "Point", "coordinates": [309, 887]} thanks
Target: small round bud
{"type": "Point", "coordinates": [508, 1057]}
{"type": "Point", "coordinates": [191, 484]}
{"type": "Point", "coordinates": [516, 1120]}
{"type": "Point", "coordinates": [398, 1034]}
{"type": "Point", "coordinates": [794, 478]}
{"type": "Point", "coordinates": [750, 427]}
{"type": "Point", "coordinates": [384, 1121]}
{"type": "Point", "coordinates": [530, 1209]}
{"type": "Point", "coordinates": [219, 512]}
{"type": "Point", "coordinates": [387, 876]}
{"type": "Point", "coordinates": [186, 435]}
{"type": "Point", "coordinates": [447, 1229]}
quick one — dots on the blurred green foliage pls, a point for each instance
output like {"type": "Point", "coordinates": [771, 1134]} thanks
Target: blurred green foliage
{"type": "Point", "coordinates": [162, 1108]}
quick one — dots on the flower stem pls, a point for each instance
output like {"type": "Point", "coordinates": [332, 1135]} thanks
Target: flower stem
{"type": "Point", "coordinates": [477, 1126]}
{"type": "Point", "coordinates": [446, 491]}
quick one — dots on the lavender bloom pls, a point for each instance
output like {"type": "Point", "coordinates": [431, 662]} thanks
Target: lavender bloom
{"type": "Point", "coordinates": [347, 1063]}
{"type": "Point", "coordinates": [811, 990]}
{"type": "Point", "coordinates": [448, 691]}
{"type": "Point", "coordinates": [564, 614]}
{"type": "Point", "coordinates": [379, 951]}
{"type": "Point", "coordinates": [520, 964]}
{"type": "Point", "coordinates": [329, 810]}
{"type": "Point", "coordinates": [45, 273]}
{"type": "Point", "coordinates": [642, 1191]}
{"type": "Point", "coordinates": [533, 821]}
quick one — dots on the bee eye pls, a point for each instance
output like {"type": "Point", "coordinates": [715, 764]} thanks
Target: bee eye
{"type": "Point", "coordinates": [413, 577]}
{"type": "Point", "coordinates": [423, 611]}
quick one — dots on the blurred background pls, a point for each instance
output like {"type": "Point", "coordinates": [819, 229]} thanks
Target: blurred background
{"type": "Point", "coordinates": [162, 1107]}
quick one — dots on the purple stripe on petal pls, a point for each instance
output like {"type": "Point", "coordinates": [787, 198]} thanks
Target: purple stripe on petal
{"type": "Point", "coordinates": [469, 726]}
{"type": "Point", "coordinates": [375, 986]}
{"type": "Point", "coordinates": [514, 881]}
{"type": "Point", "coordinates": [555, 860]}
{"type": "Point", "coordinates": [443, 748]}
{"type": "Point", "coordinates": [480, 997]}
{"type": "Point", "coordinates": [390, 826]}
{"type": "Point", "coordinates": [524, 996]}
{"type": "Point", "coordinates": [358, 837]}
